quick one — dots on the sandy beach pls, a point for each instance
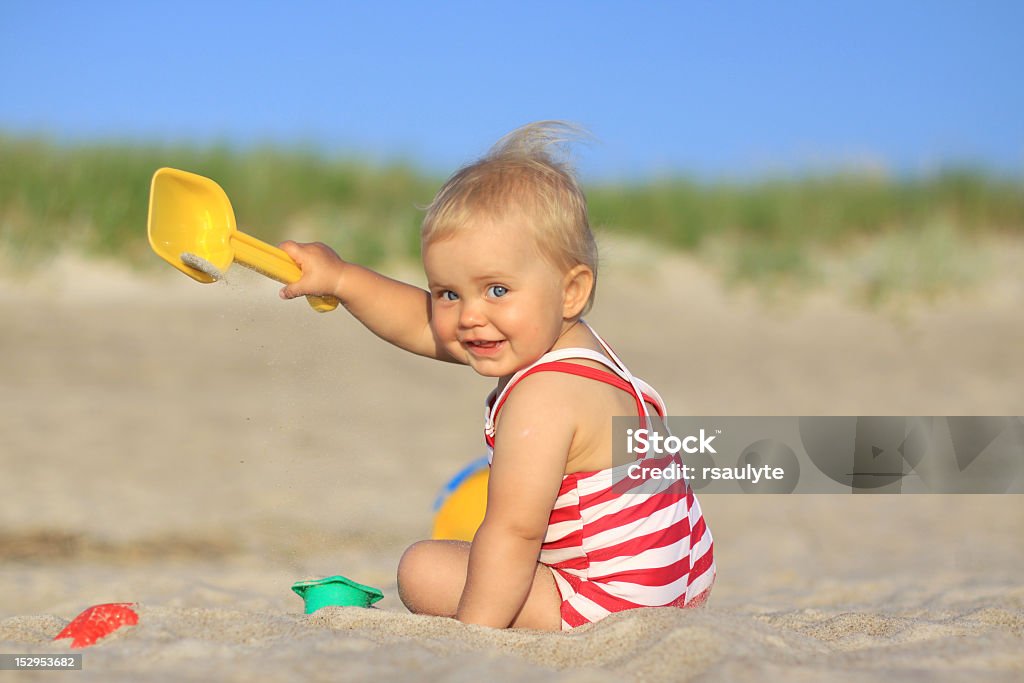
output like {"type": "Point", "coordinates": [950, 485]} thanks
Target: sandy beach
{"type": "Point", "coordinates": [197, 449]}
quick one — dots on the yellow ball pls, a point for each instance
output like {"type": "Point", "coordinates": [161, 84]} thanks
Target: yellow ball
{"type": "Point", "coordinates": [461, 505]}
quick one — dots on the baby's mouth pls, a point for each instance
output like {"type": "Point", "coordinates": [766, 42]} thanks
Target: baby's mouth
{"type": "Point", "coordinates": [483, 347]}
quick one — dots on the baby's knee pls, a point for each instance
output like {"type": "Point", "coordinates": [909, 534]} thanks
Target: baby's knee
{"type": "Point", "coordinates": [431, 576]}
{"type": "Point", "coordinates": [412, 568]}
{"type": "Point", "coordinates": [413, 560]}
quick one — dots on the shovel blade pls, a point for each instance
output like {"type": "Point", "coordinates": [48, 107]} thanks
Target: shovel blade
{"type": "Point", "coordinates": [189, 213]}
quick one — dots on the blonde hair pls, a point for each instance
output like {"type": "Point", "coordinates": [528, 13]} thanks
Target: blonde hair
{"type": "Point", "coordinates": [523, 174]}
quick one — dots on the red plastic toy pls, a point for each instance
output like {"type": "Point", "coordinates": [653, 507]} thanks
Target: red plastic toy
{"type": "Point", "coordinates": [98, 622]}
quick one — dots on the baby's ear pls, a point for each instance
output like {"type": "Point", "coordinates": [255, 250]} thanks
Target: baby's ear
{"type": "Point", "coordinates": [577, 285]}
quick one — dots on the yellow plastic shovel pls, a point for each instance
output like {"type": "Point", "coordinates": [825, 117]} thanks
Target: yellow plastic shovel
{"type": "Point", "coordinates": [192, 227]}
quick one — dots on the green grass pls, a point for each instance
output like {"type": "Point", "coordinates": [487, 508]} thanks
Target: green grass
{"type": "Point", "coordinates": [825, 210]}
{"type": "Point", "coordinates": [93, 199]}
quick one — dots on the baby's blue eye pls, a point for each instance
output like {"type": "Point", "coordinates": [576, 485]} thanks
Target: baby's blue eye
{"type": "Point", "coordinates": [497, 291]}
{"type": "Point", "coordinates": [449, 295]}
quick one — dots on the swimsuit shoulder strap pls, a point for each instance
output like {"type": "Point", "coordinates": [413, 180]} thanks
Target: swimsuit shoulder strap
{"type": "Point", "coordinates": [554, 361]}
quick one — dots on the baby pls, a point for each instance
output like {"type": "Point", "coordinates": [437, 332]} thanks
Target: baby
{"type": "Point", "coordinates": [511, 266]}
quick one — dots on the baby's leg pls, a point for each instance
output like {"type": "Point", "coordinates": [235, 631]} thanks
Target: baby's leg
{"type": "Point", "coordinates": [432, 574]}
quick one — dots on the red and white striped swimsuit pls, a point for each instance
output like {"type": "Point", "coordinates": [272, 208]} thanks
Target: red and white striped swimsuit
{"type": "Point", "coordinates": [611, 550]}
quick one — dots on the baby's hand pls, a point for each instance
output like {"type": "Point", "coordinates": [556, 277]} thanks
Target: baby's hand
{"type": "Point", "coordinates": [321, 270]}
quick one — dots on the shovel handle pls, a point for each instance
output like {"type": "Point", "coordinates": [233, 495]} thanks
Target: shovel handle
{"type": "Point", "coordinates": [274, 263]}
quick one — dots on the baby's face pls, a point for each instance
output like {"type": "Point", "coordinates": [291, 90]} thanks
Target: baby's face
{"type": "Point", "coordinates": [496, 302]}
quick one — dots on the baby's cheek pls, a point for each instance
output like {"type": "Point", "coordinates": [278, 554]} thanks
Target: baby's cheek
{"type": "Point", "coordinates": [442, 327]}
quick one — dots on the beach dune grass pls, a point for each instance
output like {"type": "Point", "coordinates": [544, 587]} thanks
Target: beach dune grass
{"type": "Point", "coordinates": [92, 198]}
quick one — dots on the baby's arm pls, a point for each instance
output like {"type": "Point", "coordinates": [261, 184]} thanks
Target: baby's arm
{"type": "Point", "coordinates": [531, 448]}
{"type": "Point", "coordinates": [395, 311]}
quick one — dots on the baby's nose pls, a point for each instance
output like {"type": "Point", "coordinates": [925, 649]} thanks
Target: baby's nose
{"type": "Point", "coordinates": [470, 315]}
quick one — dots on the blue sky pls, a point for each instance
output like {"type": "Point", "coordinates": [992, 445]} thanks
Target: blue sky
{"type": "Point", "coordinates": [699, 88]}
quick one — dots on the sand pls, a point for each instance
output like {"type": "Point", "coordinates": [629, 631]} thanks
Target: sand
{"type": "Point", "coordinates": [198, 448]}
